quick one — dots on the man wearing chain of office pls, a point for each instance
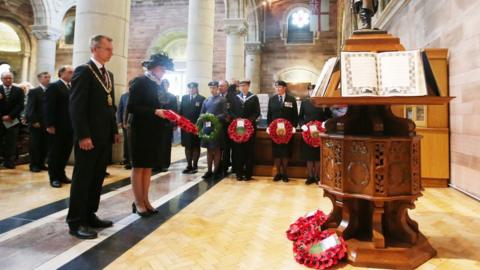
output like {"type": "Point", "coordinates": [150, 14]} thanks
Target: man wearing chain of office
{"type": "Point", "coordinates": [365, 9]}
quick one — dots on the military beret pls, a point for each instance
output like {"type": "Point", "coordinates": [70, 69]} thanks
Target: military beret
{"type": "Point", "coordinates": [192, 85]}
{"type": "Point", "coordinates": [213, 83]}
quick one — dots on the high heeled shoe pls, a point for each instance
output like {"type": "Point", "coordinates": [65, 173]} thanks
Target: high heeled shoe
{"type": "Point", "coordinates": [142, 214]}
{"type": "Point", "coordinates": [153, 211]}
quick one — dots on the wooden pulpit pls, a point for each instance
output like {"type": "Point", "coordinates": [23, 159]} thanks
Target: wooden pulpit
{"type": "Point", "coordinates": [370, 170]}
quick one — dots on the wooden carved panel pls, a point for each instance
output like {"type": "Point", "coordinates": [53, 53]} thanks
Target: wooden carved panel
{"type": "Point", "coordinates": [332, 163]}
{"type": "Point", "coordinates": [399, 176]}
{"type": "Point", "coordinates": [415, 163]}
{"type": "Point", "coordinates": [358, 167]}
{"type": "Point", "coordinates": [380, 168]}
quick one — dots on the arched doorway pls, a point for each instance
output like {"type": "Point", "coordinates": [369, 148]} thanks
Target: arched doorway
{"type": "Point", "coordinates": [14, 50]}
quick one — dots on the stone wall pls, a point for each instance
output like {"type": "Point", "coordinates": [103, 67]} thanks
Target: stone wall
{"type": "Point", "coordinates": [278, 56]}
{"type": "Point", "coordinates": [452, 24]}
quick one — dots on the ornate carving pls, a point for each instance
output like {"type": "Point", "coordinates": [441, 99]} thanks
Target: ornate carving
{"type": "Point", "coordinates": [45, 32]}
{"type": "Point", "coordinates": [235, 27]}
{"type": "Point", "coordinates": [358, 173]}
{"type": "Point", "coordinates": [359, 147]}
{"type": "Point", "coordinates": [338, 152]}
{"type": "Point", "coordinates": [253, 48]}
{"type": "Point", "coordinates": [398, 173]}
{"type": "Point", "coordinates": [415, 159]}
{"type": "Point", "coordinates": [379, 168]}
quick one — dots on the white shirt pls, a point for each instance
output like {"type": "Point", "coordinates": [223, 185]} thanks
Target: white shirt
{"type": "Point", "coordinates": [98, 64]}
{"type": "Point", "coordinates": [66, 84]}
{"type": "Point", "coordinates": [43, 87]}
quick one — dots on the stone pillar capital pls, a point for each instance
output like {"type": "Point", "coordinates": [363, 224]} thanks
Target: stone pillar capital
{"type": "Point", "coordinates": [253, 47]}
{"type": "Point", "coordinates": [45, 32]}
{"type": "Point", "coordinates": [235, 26]}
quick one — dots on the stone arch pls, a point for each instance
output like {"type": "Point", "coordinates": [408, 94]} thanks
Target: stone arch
{"type": "Point", "coordinates": [302, 73]}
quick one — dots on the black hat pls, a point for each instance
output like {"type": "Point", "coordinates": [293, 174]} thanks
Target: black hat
{"type": "Point", "coordinates": [192, 85]}
{"type": "Point", "coordinates": [244, 82]}
{"type": "Point", "coordinates": [213, 83]}
{"type": "Point", "coordinates": [281, 83]}
{"type": "Point", "coordinates": [159, 59]}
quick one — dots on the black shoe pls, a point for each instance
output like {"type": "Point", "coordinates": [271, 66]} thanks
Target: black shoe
{"type": "Point", "coordinates": [277, 177]}
{"type": "Point", "coordinates": [66, 180]}
{"type": "Point", "coordinates": [188, 170]}
{"type": "Point", "coordinates": [218, 175]}
{"type": "Point", "coordinates": [240, 178]}
{"type": "Point", "coordinates": [317, 180]}
{"type": "Point", "coordinates": [107, 174]}
{"type": "Point", "coordinates": [9, 165]}
{"type": "Point", "coordinates": [95, 222]}
{"type": "Point", "coordinates": [248, 178]}
{"type": "Point", "coordinates": [153, 211]}
{"type": "Point", "coordinates": [285, 178]}
{"type": "Point", "coordinates": [310, 180]}
{"type": "Point", "coordinates": [35, 169]}
{"type": "Point", "coordinates": [127, 166]}
{"type": "Point", "coordinates": [83, 232]}
{"type": "Point", "coordinates": [44, 168]}
{"type": "Point", "coordinates": [124, 162]}
{"type": "Point", "coordinates": [142, 214]}
{"type": "Point", "coordinates": [194, 170]}
{"type": "Point", "coordinates": [56, 184]}
{"type": "Point", "coordinates": [207, 175]}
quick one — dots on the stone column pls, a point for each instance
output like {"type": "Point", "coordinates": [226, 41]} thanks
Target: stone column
{"type": "Point", "coordinates": [25, 66]}
{"type": "Point", "coordinates": [94, 17]}
{"type": "Point", "coordinates": [201, 18]}
{"type": "Point", "coordinates": [236, 30]}
{"type": "Point", "coordinates": [253, 65]}
{"type": "Point", "coordinates": [47, 37]}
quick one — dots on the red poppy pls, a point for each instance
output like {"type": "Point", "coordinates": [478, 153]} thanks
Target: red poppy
{"type": "Point", "coordinates": [240, 134]}
{"type": "Point", "coordinates": [280, 131]}
{"type": "Point", "coordinates": [181, 121]}
{"type": "Point", "coordinates": [311, 135]}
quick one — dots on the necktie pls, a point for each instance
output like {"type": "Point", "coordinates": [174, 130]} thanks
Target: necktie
{"type": "Point", "coordinates": [7, 92]}
{"type": "Point", "coordinates": [281, 99]}
{"type": "Point", "coordinates": [104, 73]}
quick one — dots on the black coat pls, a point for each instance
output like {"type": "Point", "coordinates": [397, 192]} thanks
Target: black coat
{"type": "Point", "coordinates": [57, 103]}
{"type": "Point", "coordinates": [145, 127]}
{"type": "Point", "coordinates": [35, 106]}
{"type": "Point", "coordinates": [309, 112]}
{"type": "Point", "coordinates": [230, 96]}
{"type": "Point", "coordinates": [15, 103]}
{"type": "Point", "coordinates": [190, 109]}
{"type": "Point", "coordinates": [287, 110]}
{"type": "Point", "coordinates": [91, 115]}
{"type": "Point", "coordinates": [250, 109]}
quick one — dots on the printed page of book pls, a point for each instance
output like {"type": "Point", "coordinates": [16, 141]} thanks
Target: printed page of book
{"type": "Point", "coordinates": [401, 74]}
{"type": "Point", "coordinates": [324, 77]}
{"type": "Point", "coordinates": [359, 74]}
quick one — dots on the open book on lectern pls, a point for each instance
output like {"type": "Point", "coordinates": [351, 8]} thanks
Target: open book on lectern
{"type": "Point", "coordinates": [399, 73]}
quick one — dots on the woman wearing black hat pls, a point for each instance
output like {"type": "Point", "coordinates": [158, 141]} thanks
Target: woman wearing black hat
{"type": "Point", "coordinates": [216, 105]}
{"type": "Point", "coordinates": [146, 126]}
{"type": "Point", "coordinates": [190, 107]}
{"type": "Point", "coordinates": [282, 105]}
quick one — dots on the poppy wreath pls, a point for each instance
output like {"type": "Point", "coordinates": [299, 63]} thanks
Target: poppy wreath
{"type": "Point", "coordinates": [208, 133]}
{"type": "Point", "coordinates": [280, 136]}
{"type": "Point", "coordinates": [181, 121]}
{"type": "Point", "coordinates": [307, 224]}
{"type": "Point", "coordinates": [310, 137]}
{"type": "Point", "coordinates": [309, 252]}
{"type": "Point", "coordinates": [240, 134]}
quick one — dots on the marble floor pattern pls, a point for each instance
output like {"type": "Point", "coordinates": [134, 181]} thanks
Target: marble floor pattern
{"type": "Point", "coordinates": [207, 225]}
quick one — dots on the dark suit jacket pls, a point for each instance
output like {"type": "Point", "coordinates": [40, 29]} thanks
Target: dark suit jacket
{"type": "Point", "coordinates": [35, 107]}
{"type": "Point", "coordinates": [309, 112]}
{"type": "Point", "coordinates": [287, 110]}
{"type": "Point", "coordinates": [15, 103]}
{"type": "Point", "coordinates": [249, 109]}
{"type": "Point", "coordinates": [57, 101]}
{"type": "Point", "coordinates": [190, 109]}
{"type": "Point", "coordinates": [91, 115]}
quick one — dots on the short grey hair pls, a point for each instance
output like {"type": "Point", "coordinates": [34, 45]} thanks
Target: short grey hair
{"type": "Point", "coordinates": [5, 73]}
{"type": "Point", "coordinates": [95, 40]}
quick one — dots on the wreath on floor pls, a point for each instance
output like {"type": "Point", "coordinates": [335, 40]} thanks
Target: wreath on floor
{"type": "Point", "coordinates": [313, 247]}
{"type": "Point", "coordinates": [311, 133]}
{"type": "Point", "coordinates": [240, 130]}
{"type": "Point", "coordinates": [281, 131]}
{"type": "Point", "coordinates": [182, 122]}
{"type": "Point", "coordinates": [209, 127]}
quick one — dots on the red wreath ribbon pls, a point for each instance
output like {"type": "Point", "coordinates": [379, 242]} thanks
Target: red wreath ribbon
{"type": "Point", "coordinates": [280, 138]}
{"type": "Point", "coordinates": [306, 232]}
{"type": "Point", "coordinates": [308, 137]}
{"type": "Point", "coordinates": [181, 121]}
{"type": "Point", "coordinates": [240, 137]}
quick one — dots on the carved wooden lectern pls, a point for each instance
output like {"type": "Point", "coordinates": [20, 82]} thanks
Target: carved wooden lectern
{"type": "Point", "coordinates": [370, 169]}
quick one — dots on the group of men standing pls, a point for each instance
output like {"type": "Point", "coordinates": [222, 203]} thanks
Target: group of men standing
{"type": "Point", "coordinates": [47, 117]}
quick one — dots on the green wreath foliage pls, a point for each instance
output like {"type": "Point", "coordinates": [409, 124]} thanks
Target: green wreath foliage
{"type": "Point", "coordinates": [216, 127]}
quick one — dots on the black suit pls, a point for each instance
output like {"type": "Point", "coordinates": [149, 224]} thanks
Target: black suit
{"type": "Point", "coordinates": [190, 109]}
{"type": "Point", "coordinates": [227, 158]}
{"type": "Point", "coordinates": [243, 152]}
{"type": "Point", "coordinates": [12, 106]}
{"type": "Point", "coordinates": [286, 110]}
{"type": "Point", "coordinates": [92, 117]}
{"type": "Point", "coordinates": [57, 100]}
{"type": "Point", "coordinates": [38, 135]}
